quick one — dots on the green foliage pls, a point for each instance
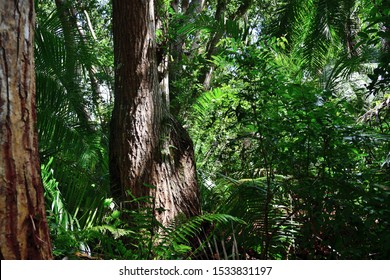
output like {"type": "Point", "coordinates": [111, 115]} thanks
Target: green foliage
{"type": "Point", "coordinates": [107, 233]}
{"type": "Point", "coordinates": [72, 125]}
{"type": "Point", "coordinates": [69, 220]}
{"type": "Point", "coordinates": [266, 208]}
{"type": "Point", "coordinates": [72, 138]}
{"type": "Point", "coordinates": [269, 120]}
{"type": "Point", "coordinates": [292, 137]}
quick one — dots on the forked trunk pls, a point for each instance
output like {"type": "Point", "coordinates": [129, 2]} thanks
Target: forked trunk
{"type": "Point", "coordinates": [148, 147]}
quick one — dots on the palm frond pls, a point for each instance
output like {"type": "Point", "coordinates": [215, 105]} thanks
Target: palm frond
{"type": "Point", "coordinates": [265, 209]}
{"type": "Point", "coordinates": [69, 139]}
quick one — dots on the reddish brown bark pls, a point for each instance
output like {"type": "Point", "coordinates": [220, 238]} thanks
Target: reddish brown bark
{"type": "Point", "coordinates": [147, 145]}
{"type": "Point", "coordinates": [23, 228]}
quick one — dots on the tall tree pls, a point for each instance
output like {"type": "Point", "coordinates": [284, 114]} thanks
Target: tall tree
{"type": "Point", "coordinates": [23, 228]}
{"type": "Point", "coordinates": [151, 154]}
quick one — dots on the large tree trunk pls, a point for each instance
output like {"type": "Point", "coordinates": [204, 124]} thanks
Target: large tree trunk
{"type": "Point", "coordinates": [23, 228]}
{"type": "Point", "coordinates": [148, 147]}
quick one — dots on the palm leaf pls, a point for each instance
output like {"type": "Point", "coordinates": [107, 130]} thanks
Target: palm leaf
{"type": "Point", "coordinates": [78, 148]}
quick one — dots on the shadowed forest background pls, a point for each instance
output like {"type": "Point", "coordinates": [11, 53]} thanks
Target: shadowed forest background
{"type": "Point", "coordinates": [282, 106]}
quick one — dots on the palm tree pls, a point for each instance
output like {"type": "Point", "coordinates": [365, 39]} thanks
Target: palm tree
{"type": "Point", "coordinates": [72, 137]}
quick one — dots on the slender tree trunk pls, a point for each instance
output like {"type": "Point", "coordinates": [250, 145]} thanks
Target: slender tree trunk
{"type": "Point", "coordinates": [70, 79]}
{"type": "Point", "coordinates": [23, 228]}
{"type": "Point", "coordinates": [70, 24]}
{"type": "Point", "coordinates": [148, 147]}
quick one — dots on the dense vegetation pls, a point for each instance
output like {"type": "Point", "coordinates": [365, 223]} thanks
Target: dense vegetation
{"type": "Point", "coordinates": [287, 103]}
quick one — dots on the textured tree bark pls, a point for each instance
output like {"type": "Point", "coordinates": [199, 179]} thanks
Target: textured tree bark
{"type": "Point", "coordinates": [23, 228]}
{"type": "Point", "coordinates": [147, 145]}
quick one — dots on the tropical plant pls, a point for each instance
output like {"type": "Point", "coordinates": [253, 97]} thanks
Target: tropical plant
{"type": "Point", "coordinates": [287, 105]}
{"type": "Point", "coordinates": [71, 142]}
{"type": "Point", "coordinates": [270, 119]}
